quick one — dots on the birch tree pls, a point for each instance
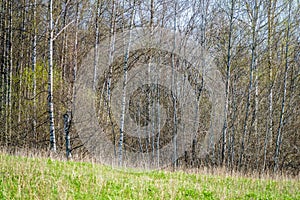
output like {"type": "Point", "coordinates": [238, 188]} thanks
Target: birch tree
{"type": "Point", "coordinates": [125, 69]}
{"type": "Point", "coordinates": [253, 12]}
{"type": "Point", "coordinates": [75, 55]}
{"type": "Point", "coordinates": [271, 32]}
{"type": "Point", "coordinates": [23, 28]}
{"type": "Point", "coordinates": [258, 44]}
{"type": "Point", "coordinates": [97, 35]}
{"type": "Point", "coordinates": [283, 102]}
{"type": "Point", "coordinates": [8, 63]}
{"type": "Point", "coordinates": [112, 35]}
{"type": "Point", "coordinates": [174, 98]}
{"type": "Point", "coordinates": [227, 83]}
{"type": "Point", "coordinates": [50, 78]}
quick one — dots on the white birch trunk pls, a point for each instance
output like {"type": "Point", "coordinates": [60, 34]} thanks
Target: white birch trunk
{"type": "Point", "coordinates": [224, 135]}
{"type": "Point", "coordinates": [252, 68]}
{"type": "Point", "coordinates": [23, 27]}
{"type": "Point", "coordinates": [97, 33]}
{"type": "Point", "coordinates": [282, 112]}
{"type": "Point", "coordinates": [50, 81]}
{"type": "Point", "coordinates": [125, 68]}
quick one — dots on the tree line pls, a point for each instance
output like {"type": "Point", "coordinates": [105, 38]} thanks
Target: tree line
{"type": "Point", "coordinates": [255, 44]}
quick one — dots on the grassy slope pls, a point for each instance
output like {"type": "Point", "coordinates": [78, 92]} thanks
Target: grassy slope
{"type": "Point", "coordinates": [28, 178]}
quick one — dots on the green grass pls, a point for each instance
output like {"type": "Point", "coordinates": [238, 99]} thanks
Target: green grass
{"type": "Point", "coordinates": [41, 178]}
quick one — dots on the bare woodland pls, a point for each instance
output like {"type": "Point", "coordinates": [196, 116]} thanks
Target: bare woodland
{"type": "Point", "coordinates": [255, 45]}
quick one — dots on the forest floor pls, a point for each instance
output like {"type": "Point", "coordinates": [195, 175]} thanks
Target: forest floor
{"type": "Point", "coordinates": [44, 178]}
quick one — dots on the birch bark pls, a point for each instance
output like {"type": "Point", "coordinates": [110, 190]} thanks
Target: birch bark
{"type": "Point", "coordinates": [254, 13]}
{"type": "Point", "coordinates": [50, 79]}
{"type": "Point", "coordinates": [227, 83]}
{"type": "Point", "coordinates": [125, 68]}
{"type": "Point", "coordinates": [282, 112]}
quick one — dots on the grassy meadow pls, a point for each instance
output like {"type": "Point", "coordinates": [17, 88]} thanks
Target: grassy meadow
{"type": "Point", "coordinates": [45, 178]}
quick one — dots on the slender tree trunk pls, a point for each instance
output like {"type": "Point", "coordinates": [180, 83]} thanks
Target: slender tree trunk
{"type": "Point", "coordinates": [233, 119]}
{"type": "Point", "coordinates": [75, 58]}
{"type": "Point", "coordinates": [158, 124]}
{"type": "Point", "coordinates": [67, 124]}
{"type": "Point", "coordinates": [64, 51]}
{"type": "Point", "coordinates": [2, 49]}
{"type": "Point", "coordinates": [10, 70]}
{"type": "Point", "coordinates": [34, 43]}
{"type": "Point", "coordinates": [224, 135]}
{"type": "Point", "coordinates": [173, 89]}
{"type": "Point", "coordinates": [156, 108]}
{"type": "Point", "coordinates": [255, 113]}
{"type": "Point", "coordinates": [97, 34]}
{"type": "Point", "coordinates": [110, 61]}
{"type": "Point", "coordinates": [22, 31]}
{"type": "Point", "coordinates": [269, 132]}
{"type": "Point", "coordinates": [150, 136]}
{"type": "Point", "coordinates": [5, 69]}
{"type": "Point", "coordinates": [50, 81]}
{"type": "Point", "coordinates": [125, 68]}
{"type": "Point", "coordinates": [203, 10]}
{"type": "Point", "coordinates": [282, 112]}
{"type": "Point", "coordinates": [250, 87]}
{"type": "Point", "coordinates": [8, 63]}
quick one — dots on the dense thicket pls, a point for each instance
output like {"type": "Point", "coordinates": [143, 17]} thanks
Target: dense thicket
{"type": "Point", "coordinates": [255, 44]}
